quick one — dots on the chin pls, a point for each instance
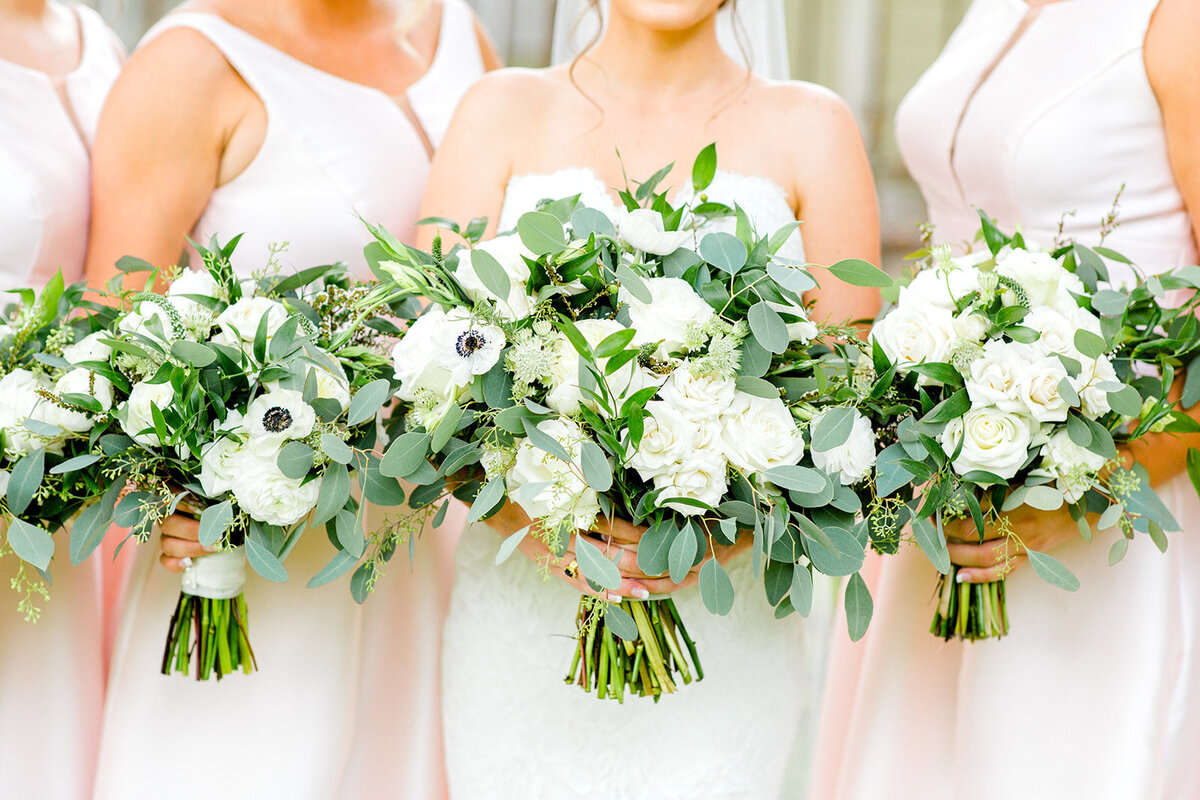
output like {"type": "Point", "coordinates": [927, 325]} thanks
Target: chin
{"type": "Point", "coordinates": [668, 15]}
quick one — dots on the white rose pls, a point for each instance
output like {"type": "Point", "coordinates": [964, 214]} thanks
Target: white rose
{"type": "Point", "coordinates": [697, 397]}
{"type": "Point", "coordinates": [1038, 385]}
{"type": "Point", "coordinates": [194, 283]}
{"type": "Point", "coordinates": [565, 395]}
{"type": "Point", "coordinates": [19, 390]}
{"type": "Point", "coordinates": [77, 381]}
{"type": "Point", "coordinates": [510, 253]}
{"type": "Point", "coordinates": [265, 493]}
{"type": "Point", "coordinates": [566, 497]}
{"type": "Point", "coordinates": [279, 415]}
{"type": "Point", "coordinates": [240, 321]}
{"type": "Point", "coordinates": [854, 459]}
{"type": "Point", "coordinates": [799, 327]}
{"type": "Point", "coordinates": [971, 326]}
{"type": "Point", "coordinates": [703, 478]}
{"type": "Point", "coordinates": [1092, 377]}
{"type": "Point", "coordinates": [138, 320]}
{"type": "Point", "coordinates": [1056, 330]}
{"type": "Point", "coordinates": [941, 287]}
{"type": "Point", "coordinates": [674, 305]}
{"type": "Point", "coordinates": [758, 434]}
{"type": "Point", "coordinates": [415, 358]}
{"type": "Point", "coordinates": [135, 413]}
{"type": "Point", "coordinates": [994, 378]}
{"type": "Point", "coordinates": [915, 333]}
{"type": "Point", "coordinates": [468, 347]}
{"type": "Point", "coordinates": [1044, 280]}
{"type": "Point", "coordinates": [668, 439]}
{"type": "Point", "coordinates": [217, 463]}
{"type": "Point", "coordinates": [1069, 463]}
{"type": "Point", "coordinates": [993, 441]}
{"type": "Point", "coordinates": [89, 348]}
{"type": "Point", "coordinates": [642, 229]}
{"type": "Point", "coordinates": [4, 474]}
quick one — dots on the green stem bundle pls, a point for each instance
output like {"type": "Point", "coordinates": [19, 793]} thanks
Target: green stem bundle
{"type": "Point", "coordinates": [211, 634]}
{"type": "Point", "coordinates": [648, 666]}
{"type": "Point", "coordinates": [971, 611]}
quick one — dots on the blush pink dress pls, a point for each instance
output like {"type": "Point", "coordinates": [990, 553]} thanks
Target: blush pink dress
{"type": "Point", "coordinates": [345, 701]}
{"type": "Point", "coordinates": [1030, 114]}
{"type": "Point", "coordinates": [51, 672]}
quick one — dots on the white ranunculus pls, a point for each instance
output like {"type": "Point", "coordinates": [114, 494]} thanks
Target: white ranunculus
{"type": "Point", "coordinates": [19, 401]}
{"type": "Point", "coordinates": [265, 493]}
{"type": "Point", "coordinates": [77, 381]}
{"type": "Point", "coordinates": [642, 229]}
{"type": "Point", "coordinates": [674, 305]}
{"type": "Point", "coordinates": [703, 477]}
{"type": "Point", "coordinates": [565, 395]}
{"type": "Point", "coordinates": [89, 348]}
{"type": "Point", "coordinates": [415, 358]}
{"type": "Point", "coordinates": [697, 396]}
{"type": "Point", "coordinates": [668, 439]}
{"type": "Point", "coordinates": [1044, 280]}
{"type": "Point", "coordinates": [1093, 374]}
{"type": "Point", "coordinates": [995, 377]}
{"type": "Point", "coordinates": [240, 321]}
{"type": "Point", "coordinates": [1038, 385]}
{"type": "Point", "coordinates": [941, 287]}
{"type": "Point", "coordinates": [468, 347]}
{"type": "Point", "coordinates": [993, 441]}
{"type": "Point", "coordinates": [916, 333]}
{"type": "Point", "coordinates": [854, 459]}
{"type": "Point", "coordinates": [279, 415]}
{"type": "Point", "coordinates": [510, 253]}
{"type": "Point", "coordinates": [758, 434]}
{"type": "Point", "coordinates": [135, 414]}
{"type": "Point", "coordinates": [1068, 462]}
{"type": "Point", "coordinates": [566, 497]}
{"type": "Point", "coordinates": [799, 327]}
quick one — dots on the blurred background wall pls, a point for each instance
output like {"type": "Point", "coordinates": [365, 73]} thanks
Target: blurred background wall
{"type": "Point", "coordinates": [869, 51]}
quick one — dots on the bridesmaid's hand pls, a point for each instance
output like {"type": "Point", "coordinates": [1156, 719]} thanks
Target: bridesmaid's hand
{"type": "Point", "coordinates": [997, 556]}
{"type": "Point", "coordinates": [180, 539]}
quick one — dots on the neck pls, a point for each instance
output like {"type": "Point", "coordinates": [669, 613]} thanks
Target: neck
{"type": "Point", "coordinates": [340, 13]}
{"type": "Point", "coordinates": [636, 57]}
{"type": "Point", "coordinates": [33, 9]}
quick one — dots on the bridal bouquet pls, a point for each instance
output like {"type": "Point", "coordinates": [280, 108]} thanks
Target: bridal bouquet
{"type": "Point", "coordinates": [246, 404]}
{"type": "Point", "coordinates": [1024, 371]}
{"type": "Point", "coordinates": [584, 366]}
{"type": "Point", "coordinates": [47, 410]}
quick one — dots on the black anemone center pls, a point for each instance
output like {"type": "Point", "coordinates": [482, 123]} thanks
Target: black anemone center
{"type": "Point", "coordinates": [277, 419]}
{"type": "Point", "coordinates": [469, 343]}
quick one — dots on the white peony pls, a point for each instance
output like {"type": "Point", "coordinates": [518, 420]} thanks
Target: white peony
{"type": "Point", "coordinates": [78, 381]}
{"type": "Point", "coordinates": [703, 477]}
{"type": "Point", "coordinates": [566, 497]}
{"type": "Point", "coordinates": [19, 390]}
{"type": "Point", "coordinates": [89, 348]}
{"type": "Point", "coordinates": [915, 333]}
{"type": "Point", "coordinates": [993, 441]}
{"type": "Point", "coordinates": [668, 440]}
{"type": "Point", "coordinates": [565, 395]}
{"type": "Point", "coordinates": [674, 305]}
{"type": "Point", "coordinates": [697, 397]}
{"type": "Point", "coordinates": [1038, 385]}
{"type": "Point", "coordinates": [642, 229]}
{"type": "Point", "coordinates": [510, 253]}
{"type": "Point", "coordinates": [1069, 464]}
{"type": "Point", "coordinates": [994, 378]}
{"type": "Point", "coordinates": [265, 493]}
{"type": "Point", "coordinates": [279, 415]}
{"type": "Point", "coordinates": [239, 323]}
{"type": "Point", "coordinates": [468, 347]}
{"type": "Point", "coordinates": [758, 434]}
{"type": "Point", "coordinates": [1045, 281]}
{"type": "Point", "coordinates": [854, 459]}
{"type": "Point", "coordinates": [135, 413]}
{"type": "Point", "coordinates": [1095, 373]}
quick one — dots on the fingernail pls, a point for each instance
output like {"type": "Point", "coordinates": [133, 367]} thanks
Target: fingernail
{"type": "Point", "coordinates": [641, 593]}
{"type": "Point", "coordinates": [613, 597]}
{"type": "Point", "coordinates": [185, 562]}
{"type": "Point", "coordinates": [208, 549]}
{"type": "Point", "coordinates": [962, 577]}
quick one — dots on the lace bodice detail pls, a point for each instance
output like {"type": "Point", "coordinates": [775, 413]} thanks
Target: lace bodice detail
{"type": "Point", "coordinates": [764, 200]}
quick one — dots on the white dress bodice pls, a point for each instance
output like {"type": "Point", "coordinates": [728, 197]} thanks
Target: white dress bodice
{"type": "Point", "coordinates": [334, 150]}
{"type": "Point", "coordinates": [1064, 120]}
{"type": "Point", "coordinates": [507, 647]}
{"type": "Point", "coordinates": [45, 143]}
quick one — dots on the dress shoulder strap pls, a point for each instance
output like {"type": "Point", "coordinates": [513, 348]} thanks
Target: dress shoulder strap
{"type": "Point", "coordinates": [456, 65]}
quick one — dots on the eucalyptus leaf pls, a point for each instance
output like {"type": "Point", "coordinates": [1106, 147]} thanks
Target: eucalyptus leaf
{"type": "Point", "coordinates": [833, 430]}
{"type": "Point", "coordinates": [682, 554]}
{"type": "Point", "coordinates": [490, 496]}
{"type": "Point", "coordinates": [617, 620]}
{"type": "Point", "coordinates": [542, 233]}
{"type": "Point", "coordinates": [337, 450]}
{"type": "Point", "coordinates": [859, 607]}
{"type": "Point", "coordinates": [367, 401]}
{"type": "Point", "coordinates": [716, 589]}
{"type": "Point", "coordinates": [545, 442]}
{"type": "Point", "coordinates": [491, 274]}
{"type": "Point", "coordinates": [768, 328]}
{"type": "Point", "coordinates": [214, 521]}
{"type": "Point", "coordinates": [933, 543]}
{"type": "Point", "coordinates": [262, 559]}
{"type": "Point", "coordinates": [595, 567]}
{"type": "Point", "coordinates": [1052, 571]}
{"type": "Point", "coordinates": [596, 469]}
{"type": "Point", "coordinates": [25, 480]}
{"type": "Point", "coordinates": [800, 479]}
{"type": "Point", "coordinates": [30, 543]}
{"type": "Point", "coordinates": [335, 491]}
{"type": "Point", "coordinates": [405, 455]}
{"type": "Point", "coordinates": [295, 460]}
{"type": "Point", "coordinates": [802, 590]}
{"type": "Point", "coordinates": [510, 544]}
{"type": "Point", "coordinates": [857, 272]}
{"type": "Point", "coordinates": [76, 463]}
{"type": "Point", "coordinates": [341, 563]}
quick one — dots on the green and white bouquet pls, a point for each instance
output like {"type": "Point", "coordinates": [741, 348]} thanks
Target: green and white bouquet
{"type": "Point", "coordinates": [246, 403]}
{"type": "Point", "coordinates": [48, 407]}
{"type": "Point", "coordinates": [585, 367]}
{"type": "Point", "coordinates": [1023, 371]}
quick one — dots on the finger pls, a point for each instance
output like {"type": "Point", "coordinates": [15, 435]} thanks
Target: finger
{"type": "Point", "coordinates": [182, 548]}
{"type": "Point", "coordinates": [986, 555]}
{"type": "Point", "coordinates": [171, 564]}
{"type": "Point", "coordinates": [178, 526]}
{"type": "Point", "coordinates": [992, 574]}
{"type": "Point", "coordinates": [620, 530]}
{"type": "Point", "coordinates": [628, 555]}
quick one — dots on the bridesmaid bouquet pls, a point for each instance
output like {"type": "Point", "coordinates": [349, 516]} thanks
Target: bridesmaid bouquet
{"type": "Point", "coordinates": [1023, 371]}
{"type": "Point", "coordinates": [246, 404]}
{"type": "Point", "coordinates": [583, 367]}
{"type": "Point", "coordinates": [47, 415]}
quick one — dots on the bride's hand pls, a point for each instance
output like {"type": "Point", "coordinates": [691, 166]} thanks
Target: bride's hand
{"type": "Point", "coordinates": [180, 539]}
{"type": "Point", "coordinates": [997, 556]}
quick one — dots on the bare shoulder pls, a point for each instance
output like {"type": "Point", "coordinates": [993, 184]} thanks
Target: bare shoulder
{"type": "Point", "coordinates": [512, 94]}
{"type": "Point", "coordinates": [805, 110]}
{"type": "Point", "coordinates": [1171, 55]}
{"type": "Point", "coordinates": [178, 59]}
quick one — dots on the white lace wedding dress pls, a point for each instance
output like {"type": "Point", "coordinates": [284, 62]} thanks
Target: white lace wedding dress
{"type": "Point", "coordinates": [515, 729]}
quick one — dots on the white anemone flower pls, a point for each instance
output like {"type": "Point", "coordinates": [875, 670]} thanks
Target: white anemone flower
{"type": "Point", "coordinates": [279, 415]}
{"type": "Point", "coordinates": [471, 347]}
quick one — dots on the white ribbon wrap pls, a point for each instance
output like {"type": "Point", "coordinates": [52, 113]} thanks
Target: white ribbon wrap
{"type": "Point", "coordinates": [220, 576]}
